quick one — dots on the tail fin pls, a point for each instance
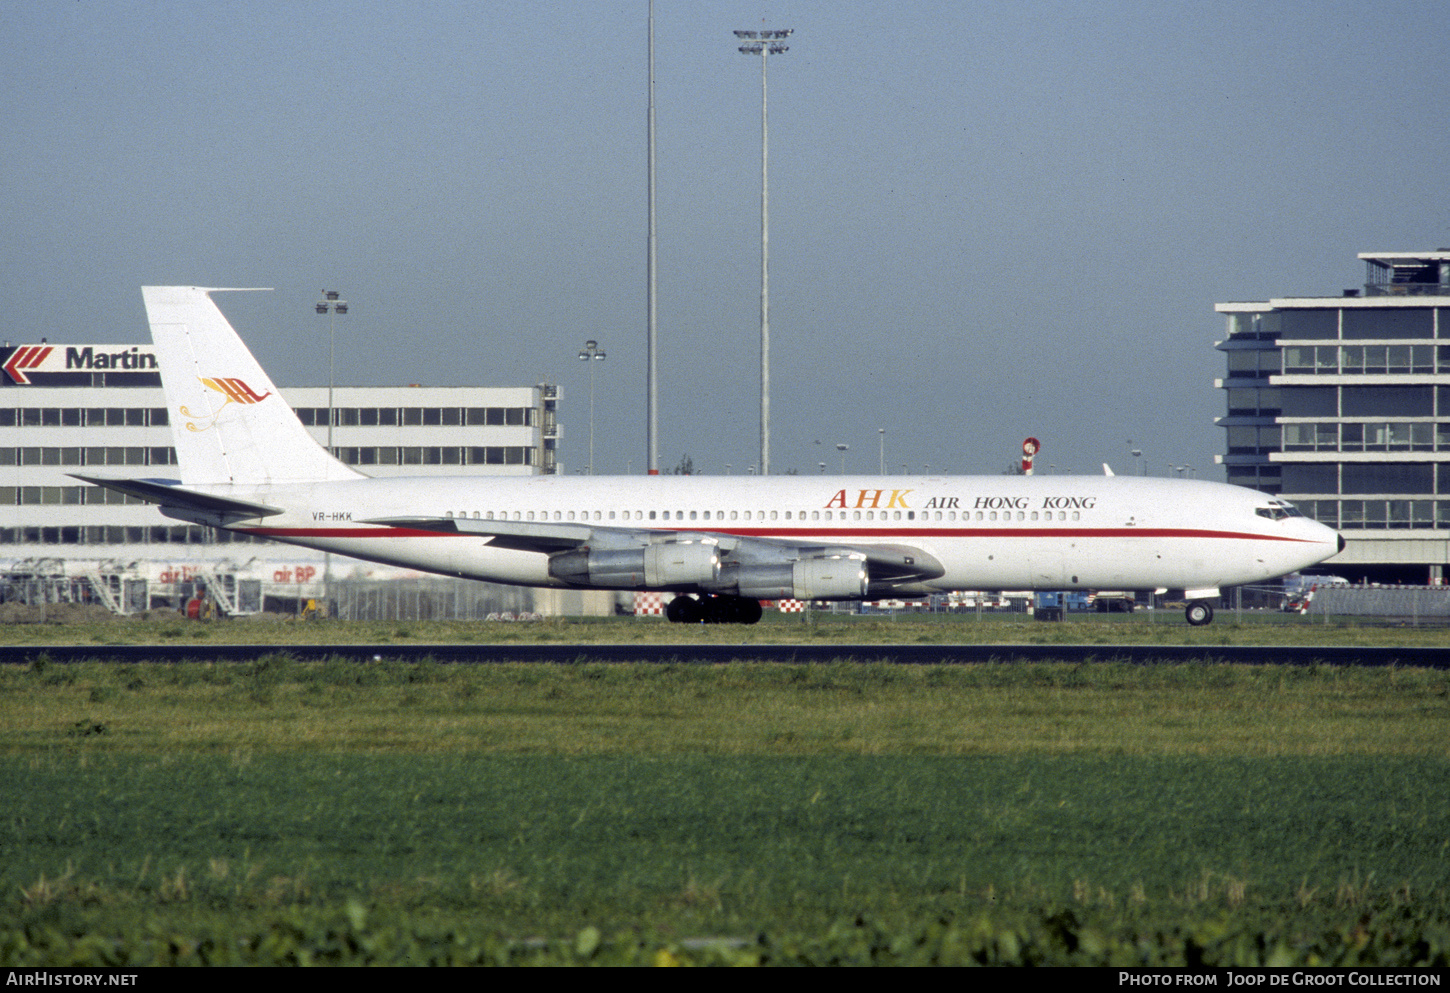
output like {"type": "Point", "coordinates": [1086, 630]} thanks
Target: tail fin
{"type": "Point", "coordinates": [229, 423]}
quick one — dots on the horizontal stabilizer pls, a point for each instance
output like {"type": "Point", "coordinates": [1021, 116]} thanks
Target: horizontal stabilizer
{"type": "Point", "coordinates": [170, 493]}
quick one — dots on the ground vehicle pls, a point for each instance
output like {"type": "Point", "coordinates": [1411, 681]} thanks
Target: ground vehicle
{"type": "Point", "coordinates": [1113, 601]}
{"type": "Point", "coordinates": [1054, 605]}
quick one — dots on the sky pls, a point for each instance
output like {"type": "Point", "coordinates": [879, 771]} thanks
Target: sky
{"type": "Point", "coordinates": [988, 220]}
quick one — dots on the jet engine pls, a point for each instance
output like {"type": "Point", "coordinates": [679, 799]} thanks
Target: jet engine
{"type": "Point", "coordinates": [834, 577]}
{"type": "Point", "coordinates": [664, 565]}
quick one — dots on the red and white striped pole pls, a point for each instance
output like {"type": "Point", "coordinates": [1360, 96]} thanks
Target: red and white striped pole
{"type": "Point", "coordinates": [1030, 448]}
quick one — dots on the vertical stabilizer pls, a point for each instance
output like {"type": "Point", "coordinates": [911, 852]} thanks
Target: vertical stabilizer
{"type": "Point", "coordinates": [229, 422]}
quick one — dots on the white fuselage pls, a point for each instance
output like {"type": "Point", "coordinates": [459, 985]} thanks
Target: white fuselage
{"type": "Point", "coordinates": [988, 532]}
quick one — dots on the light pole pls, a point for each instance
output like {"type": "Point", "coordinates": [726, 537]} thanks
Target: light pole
{"type": "Point", "coordinates": [590, 353]}
{"type": "Point", "coordinates": [843, 449]}
{"type": "Point", "coordinates": [764, 44]}
{"type": "Point", "coordinates": [882, 433]}
{"type": "Point", "coordinates": [331, 305]}
{"type": "Point", "coordinates": [652, 391]}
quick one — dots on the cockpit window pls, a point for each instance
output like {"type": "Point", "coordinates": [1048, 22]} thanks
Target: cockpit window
{"type": "Point", "coordinates": [1277, 510]}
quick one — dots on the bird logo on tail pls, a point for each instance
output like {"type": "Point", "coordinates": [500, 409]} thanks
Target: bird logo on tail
{"type": "Point", "coordinates": [235, 391]}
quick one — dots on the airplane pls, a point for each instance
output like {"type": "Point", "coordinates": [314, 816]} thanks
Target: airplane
{"type": "Point", "coordinates": [721, 544]}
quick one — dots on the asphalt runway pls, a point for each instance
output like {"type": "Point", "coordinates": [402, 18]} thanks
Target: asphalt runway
{"type": "Point", "coordinates": [1419, 657]}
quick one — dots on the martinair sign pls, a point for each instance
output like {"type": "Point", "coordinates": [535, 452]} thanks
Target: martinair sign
{"type": "Point", "coordinates": [35, 365]}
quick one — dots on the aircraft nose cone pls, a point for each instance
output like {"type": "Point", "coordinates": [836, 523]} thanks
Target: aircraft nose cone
{"type": "Point", "coordinates": [1341, 542]}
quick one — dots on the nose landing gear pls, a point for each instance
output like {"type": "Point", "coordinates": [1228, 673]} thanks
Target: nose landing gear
{"type": "Point", "coordinates": [1198, 613]}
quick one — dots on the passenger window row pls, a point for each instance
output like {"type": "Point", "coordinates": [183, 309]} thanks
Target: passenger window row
{"type": "Point", "coordinates": [738, 516]}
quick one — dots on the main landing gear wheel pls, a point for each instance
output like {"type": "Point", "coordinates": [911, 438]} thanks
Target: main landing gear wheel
{"type": "Point", "coordinates": [736, 610]}
{"type": "Point", "coordinates": [684, 610]}
{"type": "Point", "coordinates": [1198, 613]}
{"type": "Point", "coordinates": [711, 609]}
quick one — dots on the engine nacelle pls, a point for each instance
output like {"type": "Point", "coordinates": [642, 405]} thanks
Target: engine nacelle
{"type": "Point", "coordinates": [666, 565]}
{"type": "Point", "coordinates": [836, 577]}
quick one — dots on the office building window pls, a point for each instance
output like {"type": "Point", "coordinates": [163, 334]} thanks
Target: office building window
{"type": "Point", "coordinates": [1310, 401]}
{"type": "Point", "coordinates": [1388, 322]}
{"type": "Point", "coordinates": [1253, 440]}
{"type": "Point", "coordinates": [1311, 478]}
{"type": "Point", "coordinates": [1382, 477]}
{"type": "Point", "coordinates": [1256, 327]}
{"type": "Point", "coordinates": [1265, 402]}
{"type": "Point", "coordinates": [1382, 401]}
{"type": "Point", "coordinates": [1310, 324]}
{"type": "Point", "coordinates": [1253, 363]}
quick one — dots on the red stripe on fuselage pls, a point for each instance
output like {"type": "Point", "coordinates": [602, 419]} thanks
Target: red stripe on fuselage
{"type": "Point", "coordinates": [845, 536]}
{"type": "Point", "coordinates": [1009, 533]}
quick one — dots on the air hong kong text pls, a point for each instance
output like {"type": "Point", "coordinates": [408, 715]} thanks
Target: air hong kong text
{"type": "Point", "coordinates": [886, 499]}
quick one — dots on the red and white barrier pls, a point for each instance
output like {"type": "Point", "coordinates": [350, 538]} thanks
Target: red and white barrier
{"type": "Point", "coordinates": [650, 604]}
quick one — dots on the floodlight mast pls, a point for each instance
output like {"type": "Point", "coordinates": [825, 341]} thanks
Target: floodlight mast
{"type": "Point", "coordinates": [591, 353]}
{"type": "Point", "coordinates": [331, 303]}
{"type": "Point", "coordinates": [652, 391]}
{"type": "Point", "coordinates": [764, 44]}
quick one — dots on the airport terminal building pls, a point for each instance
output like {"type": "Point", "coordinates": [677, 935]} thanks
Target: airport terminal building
{"type": "Point", "coordinates": [1342, 406]}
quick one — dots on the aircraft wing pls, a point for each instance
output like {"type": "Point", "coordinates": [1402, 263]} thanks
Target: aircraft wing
{"type": "Point", "coordinates": [171, 495]}
{"type": "Point", "coordinates": [889, 565]}
{"type": "Point", "coordinates": [525, 536]}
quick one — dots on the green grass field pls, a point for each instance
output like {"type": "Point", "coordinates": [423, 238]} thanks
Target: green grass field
{"type": "Point", "coordinates": [281, 812]}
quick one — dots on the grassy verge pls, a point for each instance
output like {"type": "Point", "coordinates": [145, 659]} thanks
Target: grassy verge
{"type": "Point", "coordinates": [286, 812]}
{"type": "Point", "coordinates": [511, 847]}
{"type": "Point", "coordinates": [283, 812]}
{"type": "Point", "coordinates": [278, 705]}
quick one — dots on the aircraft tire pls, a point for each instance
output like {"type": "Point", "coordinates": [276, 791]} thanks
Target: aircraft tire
{"type": "Point", "coordinates": [717, 610]}
{"type": "Point", "coordinates": [750, 611]}
{"type": "Point", "coordinates": [684, 609]}
{"type": "Point", "coordinates": [1198, 613]}
{"type": "Point", "coordinates": [731, 610]}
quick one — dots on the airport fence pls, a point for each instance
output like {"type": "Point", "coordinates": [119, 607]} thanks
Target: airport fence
{"type": "Point", "coordinates": [1416, 604]}
{"type": "Point", "coordinates": [428, 600]}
